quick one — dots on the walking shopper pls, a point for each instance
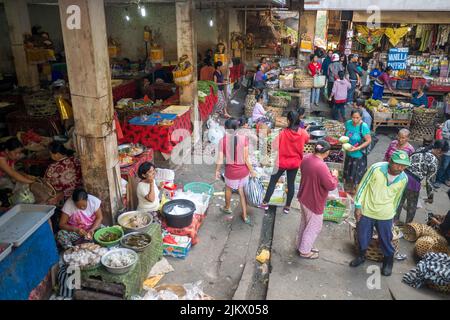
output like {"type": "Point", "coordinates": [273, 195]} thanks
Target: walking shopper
{"type": "Point", "coordinates": [443, 175]}
{"type": "Point", "coordinates": [333, 73]}
{"type": "Point", "coordinates": [339, 93]}
{"type": "Point", "coordinates": [402, 143]}
{"type": "Point", "coordinates": [233, 148]}
{"type": "Point", "coordinates": [376, 202]}
{"type": "Point", "coordinates": [356, 158]}
{"type": "Point", "coordinates": [221, 106]}
{"type": "Point", "coordinates": [424, 165]}
{"type": "Point", "coordinates": [317, 181]}
{"type": "Point", "coordinates": [354, 74]}
{"type": "Point", "coordinates": [314, 68]}
{"type": "Point", "coordinates": [289, 144]}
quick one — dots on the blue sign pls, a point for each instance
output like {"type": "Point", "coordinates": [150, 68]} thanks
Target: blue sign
{"type": "Point", "coordinates": [397, 58]}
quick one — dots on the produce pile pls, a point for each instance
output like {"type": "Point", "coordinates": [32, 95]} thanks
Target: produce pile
{"type": "Point", "coordinates": [204, 89]}
{"type": "Point", "coordinates": [282, 94]}
{"type": "Point", "coordinates": [334, 129]}
{"type": "Point", "coordinates": [85, 255]}
{"type": "Point", "coordinates": [120, 259]}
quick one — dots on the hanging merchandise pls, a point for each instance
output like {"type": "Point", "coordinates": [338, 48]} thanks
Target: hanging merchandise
{"type": "Point", "coordinates": [370, 38]}
{"type": "Point", "coordinates": [444, 31]}
{"type": "Point", "coordinates": [395, 34]}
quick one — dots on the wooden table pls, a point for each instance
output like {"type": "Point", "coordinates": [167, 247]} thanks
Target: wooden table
{"type": "Point", "coordinates": [391, 123]}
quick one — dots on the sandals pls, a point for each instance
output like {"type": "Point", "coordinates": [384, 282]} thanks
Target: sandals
{"type": "Point", "coordinates": [315, 250]}
{"type": "Point", "coordinates": [226, 211]}
{"type": "Point", "coordinates": [264, 206]}
{"type": "Point", "coordinates": [286, 210]}
{"type": "Point", "coordinates": [247, 220]}
{"type": "Point", "coordinates": [312, 255]}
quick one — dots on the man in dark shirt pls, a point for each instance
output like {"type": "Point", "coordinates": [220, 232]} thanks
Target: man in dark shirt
{"type": "Point", "coordinates": [353, 73]}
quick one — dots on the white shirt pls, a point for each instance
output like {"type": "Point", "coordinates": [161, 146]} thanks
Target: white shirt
{"type": "Point", "coordinates": [143, 189]}
{"type": "Point", "coordinates": [391, 178]}
{"type": "Point", "coordinates": [93, 204]}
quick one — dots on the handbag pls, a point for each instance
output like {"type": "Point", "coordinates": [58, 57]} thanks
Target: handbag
{"type": "Point", "coordinates": [319, 81]}
{"type": "Point", "coordinates": [42, 191]}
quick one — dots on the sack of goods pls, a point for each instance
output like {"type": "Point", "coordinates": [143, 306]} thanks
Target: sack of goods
{"type": "Point", "coordinates": [254, 191]}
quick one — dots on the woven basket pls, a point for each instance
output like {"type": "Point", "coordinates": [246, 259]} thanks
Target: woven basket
{"type": "Point", "coordinates": [442, 289]}
{"type": "Point", "coordinates": [183, 77]}
{"type": "Point", "coordinates": [424, 117]}
{"type": "Point", "coordinates": [418, 133]}
{"type": "Point", "coordinates": [374, 252]}
{"type": "Point", "coordinates": [278, 102]}
{"type": "Point", "coordinates": [277, 112]}
{"type": "Point", "coordinates": [303, 82]}
{"type": "Point", "coordinates": [41, 104]}
{"type": "Point", "coordinates": [413, 231]}
{"type": "Point", "coordinates": [250, 102]}
{"type": "Point", "coordinates": [427, 244]}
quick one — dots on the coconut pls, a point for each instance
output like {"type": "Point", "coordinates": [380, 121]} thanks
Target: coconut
{"type": "Point", "coordinates": [347, 146]}
{"type": "Point", "coordinates": [344, 139]}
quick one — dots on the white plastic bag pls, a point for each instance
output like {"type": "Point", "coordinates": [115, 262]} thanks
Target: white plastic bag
{"type": "Point", "coordinates": [254, 191]}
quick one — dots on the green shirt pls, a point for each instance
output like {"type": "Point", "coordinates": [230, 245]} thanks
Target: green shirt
{"type": "Point", "coordinates": [356, 135]}
{"type": "Point", "coordinates": [376, 197]}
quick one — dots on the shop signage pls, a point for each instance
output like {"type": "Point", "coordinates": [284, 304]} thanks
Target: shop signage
{"type": "Point", "coordinates": [397, 58]}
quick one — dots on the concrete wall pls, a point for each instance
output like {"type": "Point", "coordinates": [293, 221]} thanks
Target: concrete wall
{"type": "Point", "coordinates": [206, 36]}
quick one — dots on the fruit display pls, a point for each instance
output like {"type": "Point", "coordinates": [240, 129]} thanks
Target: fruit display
{"type": "Point", "coordinates": [282, 94]}
{"type": "Point", "coordinates": [334, 129]}
{"type": "Point", "coordinates": [347, 146]}
{"type": "Point", "coordinates": [372, 104]}
{"type": "Point", "coordinates": [344, 139]}
{"type": "Point", "coordinates": [393, 102]}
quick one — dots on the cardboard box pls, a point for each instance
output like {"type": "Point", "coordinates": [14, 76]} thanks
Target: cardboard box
{"type": "Point", "coordinates": [179, 250]}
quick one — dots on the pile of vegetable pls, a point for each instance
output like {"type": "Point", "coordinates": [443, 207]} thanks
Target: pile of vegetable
{"type": "Point", "coordinates": [204, 89]}
{"type": "Point", "coordinates": [282, 94]}
{"type": "Point", "coordinates": [372, 104]}
{"type": "Point", "coordinates": [109, 237]}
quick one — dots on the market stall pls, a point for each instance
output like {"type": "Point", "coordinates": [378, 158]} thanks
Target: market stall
{"type": "Point", "coordinates": [156, 130]}
{"type": "Point", "coordinates": [207, 98]}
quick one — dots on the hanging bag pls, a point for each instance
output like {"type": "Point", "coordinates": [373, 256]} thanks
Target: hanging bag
{"type": "Point", "coordinates": [319, 81]}
{"type": "Point", "coordinates": [254, 191]}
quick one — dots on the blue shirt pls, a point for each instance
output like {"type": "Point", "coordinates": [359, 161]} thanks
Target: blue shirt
{"type": "Point", "coordinates": [354, 133]}
{"type": "Point", "coordinates": [422, 101]}
{"type": "Point", "coordinates": [366, 117]}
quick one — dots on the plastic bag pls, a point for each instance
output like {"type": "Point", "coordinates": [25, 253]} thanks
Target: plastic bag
{"type": "Point", "coordinates": [254, 191]}
{"type": "Point", "coordinates": [22, 195]}
{"type": "Point", "coordinates": [194, 291]}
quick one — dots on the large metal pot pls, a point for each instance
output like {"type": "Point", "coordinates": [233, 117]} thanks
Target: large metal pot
{"type": "Point", "coordinates": [124, 218]}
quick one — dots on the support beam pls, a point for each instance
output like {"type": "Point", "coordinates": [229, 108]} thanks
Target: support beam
{"type": "Point", "coordinates": [187, 45]}
{"type": "Point", "coordinates": [19, 24]}
{"type": "Point", "coordinates": [89, 73]}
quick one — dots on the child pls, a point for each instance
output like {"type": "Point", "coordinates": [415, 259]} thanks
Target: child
{"type": "Point", "coordinates": [234, 149]}
{"type": "Point", "coordinates": [339, 93]}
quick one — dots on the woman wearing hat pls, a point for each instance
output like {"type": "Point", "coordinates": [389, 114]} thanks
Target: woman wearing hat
{"type": "Point", "coordinates": [376, 202]}
{"type": "Point", "coordinates": [424, 165]}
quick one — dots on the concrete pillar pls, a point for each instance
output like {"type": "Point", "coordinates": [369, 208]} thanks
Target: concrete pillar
{"type": "Point", "coordinates": [19, 24]}
{"type": "Point", "coordinates": [89, 73]}
{"type": "Point", "coordinates": [187, 45]}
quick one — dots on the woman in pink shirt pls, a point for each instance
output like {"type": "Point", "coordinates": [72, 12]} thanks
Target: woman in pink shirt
{"type": "Point", "coordinates": [233, 148]}
{"type": "Point", "coordinates": [317, 181]}
{"type": "Point", "coordinates": [402, 143]}
{"type": "Point", "coordinates": [339, 93]}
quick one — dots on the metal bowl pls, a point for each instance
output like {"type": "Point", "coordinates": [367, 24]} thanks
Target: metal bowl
{"type": "Point", "coordinates": [318, 134]}
{"type": "Point", "coordinates": [137, 249]}
{"type": "Point", "coordinates": [123, 218]}
{"type": "Point", "coordinates": [119, 270]}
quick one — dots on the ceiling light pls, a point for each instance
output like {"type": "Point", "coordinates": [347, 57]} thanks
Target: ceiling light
{"type": "Point", "coordinates": [211, 22]}
{"type": "Point", "coordinates": [143, 11]}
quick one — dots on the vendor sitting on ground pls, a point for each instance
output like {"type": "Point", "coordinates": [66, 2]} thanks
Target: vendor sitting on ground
{"type": "Point", "coordinates": [402, 143]}
{"type": "Point", "coordinates": [147, 190]}
{"type": "Point", "coordinates": [81, 217]}
{"type": "Point", "coordinates": [10, 153]}
{"type": "Point", "coordinates": [441, 222]}
{"type": "Point", "coordinates": [65, 173]}
{"type": "Point", "coordinates": [419, 98]}
{"type": "Point", "coordinates": [260, 115]}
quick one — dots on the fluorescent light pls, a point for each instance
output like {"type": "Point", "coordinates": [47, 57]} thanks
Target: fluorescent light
{"type": "Point", "coordinates": [211, 22]}
{"type": "Point", "coordinates": [127, 17]}
{"type": "Point", "coordinates": [409, 29]}
{"type": "Point", "coordinates": [143, 12]}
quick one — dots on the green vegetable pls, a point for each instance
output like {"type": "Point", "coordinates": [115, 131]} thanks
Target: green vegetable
{"type": "Point", "coordinates": [282, 94]}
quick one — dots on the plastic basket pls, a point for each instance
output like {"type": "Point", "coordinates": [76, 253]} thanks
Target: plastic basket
{"type": "Point", "coordinates": [199, 187]}
{"type": "Point", "coordinates": [334, 213]}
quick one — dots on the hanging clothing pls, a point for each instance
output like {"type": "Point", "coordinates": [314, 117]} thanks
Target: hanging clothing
{"type": "Point", "coordinates": [444, 32]}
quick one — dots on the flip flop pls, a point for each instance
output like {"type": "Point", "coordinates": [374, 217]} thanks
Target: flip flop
{"type": "Point", "coordinates": [315, 250]}
{"type": "Point", "coordinates": [311, 256]}
{"type": "Point", "coordinates": [247, 221]}
{"type": "Point", "coordinates": [264, 206]}
{"type": "Point", "coordinates": [226, 211]}
{"type": "Point", "coordinates": [286, 210]}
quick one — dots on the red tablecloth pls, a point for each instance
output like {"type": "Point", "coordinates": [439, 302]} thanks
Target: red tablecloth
{"type": "Point", "coordinates": [132, 170]}
{"type": "Point", "coordinates": [158, 138]}
{"type": "Point", "coordinates": [190, 231]}
{"type": "Point", "coordinates": [125, 90]}
{"type": "Point", "coordinates": [207, 107]}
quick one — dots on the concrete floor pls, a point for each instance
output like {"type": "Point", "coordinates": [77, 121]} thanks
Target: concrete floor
{"type": "Point", "coordinates": [224, 258]}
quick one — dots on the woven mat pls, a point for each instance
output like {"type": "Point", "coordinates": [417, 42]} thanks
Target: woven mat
{"type": "Point", "coordinates": [134, 279]}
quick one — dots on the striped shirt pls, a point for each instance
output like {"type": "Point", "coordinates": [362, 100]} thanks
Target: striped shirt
{"type": "Point", "coordinates": [378, 198]}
